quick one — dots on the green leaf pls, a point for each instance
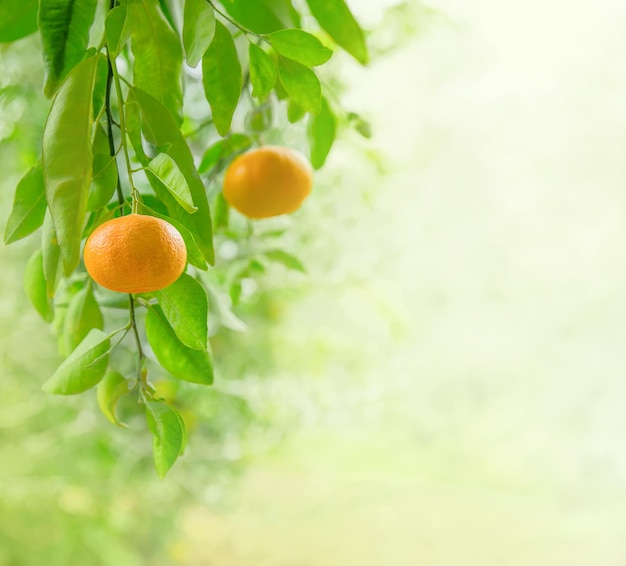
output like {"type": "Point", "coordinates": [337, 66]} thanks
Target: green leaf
{"type": "Point", "coordinates": [168, 435]}
{"type": "Point", "coordinates": [51, 254]}
{"type": "Point", "coordinates": [263, 71]}
{"type": "Point", "coordinates": [182, 362]}
{"type": "Point", "coordinates": [83, 314]}
{"type": "Point", "coordinates": [158, 55]}
{"type": "Point", "coordinates": [221, 304]}
{"type": "Point", "coordinates": [160, 130]}
{"type": "Point", "coordinates": [225, 150]}
{"type": "Point", "coordinates": [301, 84]}
{"type": "Point", "coordinates": [185, 306]}
{"type": "Point", "coordinates": [67, 158]}
{"type": "Point", "coordinates": [294, 112]}
{"type": "Point", "coordinates": [110, 390]}
{"type": "Point", "coordinates": [84, 367]}
{"type": "Point", "coordinates": [35, 285]}
{"type": "Point", "coordinates": [194, 255]}
{"type": "Point", "coordinates": [222, 78]}
{"type": "Point", "coordinates": [164, 168]}
{"type": "Point", "coordinates": [198, 29]}
{"type": "Point", "coordinates": [64, 30]}
{"type": "Point", "coordinates": [100, 84]}
{"type": "Point", "coordinates": [286, 259]}
{"type": "Point", "coordinates": [259, 118]}
{"type": "Point", "coordinates": [221, 211]}
{"type": "Point", "coordinates": [18, 18]}
{"type": "Point", "coordinates": [104, 175]}
{"type": "Point", "coordinates": [255, 15]}
{"type": "Point", "coordinates": [29, 206]}
{"type": "Point", "coordinates": [300, 46]}
{"type": "Point", "coordinates": [335, 18]}
{"type": "Point", "coordinates": [117, 31]}
{"type": "Point", "coordinates": [322, 130]}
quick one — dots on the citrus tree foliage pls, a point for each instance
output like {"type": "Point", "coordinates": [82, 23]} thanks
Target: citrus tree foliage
{"type": "Point", "coordinates": [119, 137]}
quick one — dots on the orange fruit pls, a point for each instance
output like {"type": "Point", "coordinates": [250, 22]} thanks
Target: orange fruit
{"type": "Point", "coordinates": [135, 254]}
{"type": "Point", "coordinates": [268, 181]}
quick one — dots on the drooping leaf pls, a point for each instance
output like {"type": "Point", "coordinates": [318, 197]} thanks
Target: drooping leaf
{"type": "Point", "coordinates": [321, 131]}
{"type": "Point", "coordinates": [286, 259]}
{"type": "Point", "coordinates": [18, 18]}
{"type": "Point", "coordinates": [29, 206]}
{"type": "Point", "coordinates": [263, 16]}
{"type": "Point", "coordinates": [160, 130]}
{"type": "Point", "coordinates": [184, 304]}
{"type": "Point", "coordinates": [198, 29]}
{"type": "Point", "coordinates": [110, 390]}
{"type": "Point", "coordinates": [51, 254]}
{"type": "Point", "coordinates": [64, 27]}
{"type": "Point", "coordinates": [164, 168]}
{"type": "Point", "coordinates": [295, 113]}
{"type": "Point", "coordinates": [104, 174]}
{"type": "Point", "coordinates": [225, 150]}
{"type": "Point", "coordinates": [168, 435]}
{"type": "Point", "coordinates": [158, 55]}
{"type": "Point", "coordinates": [259, 118]}
{"type": "Point", "coordinates": [67, 158]}
{"type": "Point", "coordinates": [300, 46]}
{"type": "Point", "coordinates": [83, 368]}
{"type": "Point", "coordinates": [99, 87]}
{"type": "Point", "coordinates": [35, 286]}
{"type": "Point", "coordinates": [301, 83]}
{"type": "Point", "coordinates": [222, 78]}
{"type": "Point", "coordinates": [116, 28]}
{"type": "Point", "coordinates": [83, 314]}
{"type": "Point", "coordinates": [263, 71]}
{"type": "Point", "coordinates": [182, 362]}
{"type": "Point", "coordinates": [337, 20]}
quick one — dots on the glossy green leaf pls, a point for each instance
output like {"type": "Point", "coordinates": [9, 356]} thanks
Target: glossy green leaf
{"type": "Point", "coordinates": [35, 286]}
{"type": "Point", "coordinates": [181, 361]}
{"type": "Point", "coordinates": [18, 18]}
{"type": "Point", "coordinates": [224, 150]}
{"type": "Point", "coordinates": [67, 158]}
{"type": "Point", "coordinates": [117, 30]}
{"type": "Point", "coordinates": [194, 255]}
{"type": "Point", "coordinates": [29, 206]}
{"type": "Point", "coordinates": [64, 28]}
{"type": "Point", "coordinates": [222, 78]}
{"type": "Point", "coordinates": [168, 435]}
{"type": "Point", "coordinates": [335, 18]}
{"type": "Point", "coordinates": [185, 306]}
{"type": "Point", "coordinates": [198, 29]}
{"type": "Point", "coordinates": [83, 314]}
{"type": "Point", "coordinates": [258, 16]}
{"type": "Point", "coordinates": [103, 182]}
{"type": "Point", "coordinates": [295, 113]}
{"type": "Point", "coordinates": [110, 390]}
{"type": "Point", "coordinates": [301, 83]}
{"type": "Point", "coordinates": [160, 130]}
{"type": "Point", "coordinates": [51, 254]}
{"type": "Point", "coordinates": [164, 168]}
{"type": "Point", "coordinates": [263, 71]}
{"type": "Point", "coordinates": [300, 46]}
{"type": "Point", "coordinates": [321, 131]}
{"type": "Point", "coordinates": [158, 55]}
{"type": "Point", "coordinates": [286, 259]}
{"type": "Point", "coordinates": [83, 368]}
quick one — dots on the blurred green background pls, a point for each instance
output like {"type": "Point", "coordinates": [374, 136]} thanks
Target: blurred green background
{"type": "Point", "coordinates": [445, 387]}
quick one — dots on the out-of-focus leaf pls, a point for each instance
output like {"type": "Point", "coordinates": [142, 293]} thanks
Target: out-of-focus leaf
{"type": "Point", "coordinates": [286, 259]}
{"type": "Point", "coordinates": [221, 211]}
{"type": "Point", "coordinates": [83, 368]}
{"type": "Point", "coordinates": [158, 55]}
{"type": "Point", "coordinates": [182, 362]}
{"type": "Point", "coordinates": [185, 306]}
{"type": "Point", "coordinates": [259, 119]}
{"type": "Point", "coordinates": [220, 303]}
{"type": "Point", "coordinates": [222, 78]}
{"type": "Point", "coordinates": [110, 390]}
{"type": "Point", "coordinates": [18, 18]}
{"type": "Point", "coordinates": [168, 435]}
{"type": "Point", "coordinates": [64, 28]}
{"type": "Point", "coordinates": [263, 71]}
{"type": "Point", "coordinates": [301, 83]}
{"type": "Point", "coordinates": [322, 131]}
{"type": "Point", "coordinates": [51, 254]}
{"type": "Point", "coordinates": [300, 46]}
{"type": "Point", "coordinates": [335, 18]}
{"type": "Point", "coordinates": [198, 29]}
{"type": "Point", "coordinates": [294, 112]}
{"type": "Point", "coordinates": [224, 149]}
{"type": "Point", "coordinates": [35, 285]}
{"type": "Point", "coordinates": [83, 314]}
{"type": "Point", "coordinates": [67, 158]}
{"type": "Point", "coordinates": [117, 31]}
{"type": "Point", "coordinates": [164, 168]}
{"type": "Point", "coordinates": [29, 206]}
